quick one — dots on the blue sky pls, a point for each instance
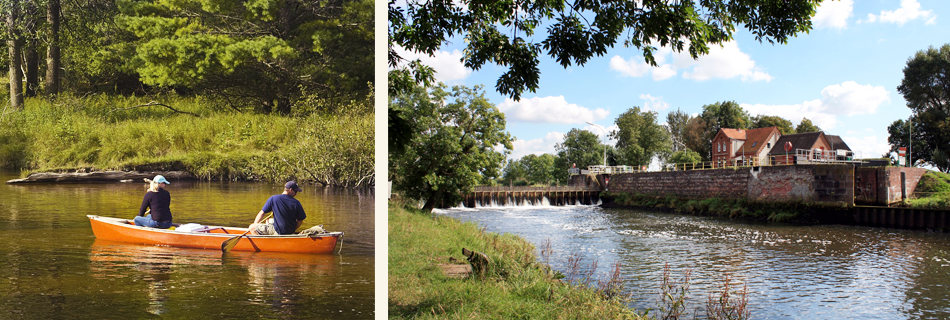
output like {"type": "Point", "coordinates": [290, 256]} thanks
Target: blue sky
{"type": "Point", "coordinates": [842, 75]}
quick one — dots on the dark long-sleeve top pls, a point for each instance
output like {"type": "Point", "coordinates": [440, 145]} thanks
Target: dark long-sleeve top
{"type": "Point", "coordinates": [159, 203]}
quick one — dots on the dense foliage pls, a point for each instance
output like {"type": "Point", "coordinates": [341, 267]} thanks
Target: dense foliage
{"type": "Point", "coordinates": [580, 149]}
{"type": "Point", "coordinates": [503, 32]}
{"type": "Point", "coordinates": [764, 121]}
{"type": "Point", "coordinates": [265, 55]}
{"type": "Point", "coordinates": [926, 88]}
{"type": "Point", "coordinates": [459, 139]}
{"type": "Point", "coordinates": [533, 169]}
{"type": "Point", "coordinates": [806, 126]}
{"type": "Point", "coordinates": [640, 138]}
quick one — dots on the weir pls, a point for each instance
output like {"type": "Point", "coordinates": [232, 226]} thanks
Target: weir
{"type": "Point", "coordinates": [519, 196]}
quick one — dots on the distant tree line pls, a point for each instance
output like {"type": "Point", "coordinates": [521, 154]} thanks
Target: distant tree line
{"type": "Point", "coordinates": [641, 138]}
{"type": "Point", "coordinates": [254, 55]}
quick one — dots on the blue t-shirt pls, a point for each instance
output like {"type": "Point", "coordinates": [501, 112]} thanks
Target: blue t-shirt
{"type": "Point", "coordinates": [287, 211]}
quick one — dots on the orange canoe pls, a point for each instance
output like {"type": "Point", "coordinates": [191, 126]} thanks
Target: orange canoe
{"type": "Point", "coordinates": [211, 237]}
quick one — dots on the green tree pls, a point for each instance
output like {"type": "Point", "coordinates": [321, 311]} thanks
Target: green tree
{"type": "Point", "coordinates": [264, 53]}
{"type": "Point", "coordinates": [763, 121]}
{"type": "Point", "coordinates": [926, 83]}
{"type": "Point", "coordinates": [540, 169]}
{"type": "Point", "coordinates": [696, 137]}
{"type": "Point", "coordinates": [514, 173]}
{"type": "Point", "coordinates": [806, 126]}
{"type": "Point", "coordinates": [685, 156]}
{"type": "Point", "coordinates": [580, 148]}
{"type": "Point", "coordinates": [926, 88]}
{"type": "Point", "coordinates": [454, 148]}
{"type": "Point", "coordinates": [503, 32]}
{"type": "Point", "coordinates": [677, 122]}
{"type": "Point", "coordinates": [930, 135]}
{"type": "Point", "coordinates": [726, 114]}
{"type": "Point", "coordinates": [640, 138]}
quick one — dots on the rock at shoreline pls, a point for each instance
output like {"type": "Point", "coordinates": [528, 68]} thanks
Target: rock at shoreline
{"type": "Point", "coordinates": [99, 176]}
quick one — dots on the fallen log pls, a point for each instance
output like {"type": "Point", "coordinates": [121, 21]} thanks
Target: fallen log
{"type": "Point", "coordinates": [99, 176]}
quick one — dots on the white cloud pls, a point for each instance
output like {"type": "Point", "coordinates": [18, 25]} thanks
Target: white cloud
{"type": "Point", "coordinates": [850, 98]}
{"type": "Point", "coordinates": [847, 98]}
{"type": "Point", "coordinates": [867, 146]}
{"type": "Point", "coordinates": [654, 103]}
{"type": "Point", "coordinates": [447, 65]}
{"type": "Point", "coordinates": [600, 133]}
{"type": "Point", "coordinates": [521, 148]}
{"type": "Point", "coordinates": [632, 68]}
{"type": "Point", "coordinates": [663, 72]}
{"type": "Point", "coordinates": [833, 14]}
{"type": "Point", "coordinates": [549, 110]}
{"type": "Point", "coordinates": [724, 62]}
{"type": "Point", "coordinates": [812, 110]}
{"type": "Point", "coordinates": [909, 10]}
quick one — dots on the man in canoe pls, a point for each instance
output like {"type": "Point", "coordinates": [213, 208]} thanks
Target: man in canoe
{"type": "Point", "coordinates": [157, 201]}
{"type": "Point", "coordinates": [288, 213]}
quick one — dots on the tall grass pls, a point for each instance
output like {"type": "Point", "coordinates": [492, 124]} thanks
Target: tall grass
{"type": "Point", "coordinates": [798, 212]}
{"type": "Point", "coordinates": [192, 134]}
{"type": "Point", "coordinates": [517, 286]}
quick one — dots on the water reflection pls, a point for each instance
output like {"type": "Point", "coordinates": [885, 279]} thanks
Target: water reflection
{"type": "Point", "coordinates": [285, 283]}
{"type": "Point", "coordinates": [817, 272]}
{"type": "Point", "coordinates": [54, 268]}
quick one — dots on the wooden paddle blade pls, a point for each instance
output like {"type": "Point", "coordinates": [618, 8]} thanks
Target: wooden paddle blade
{"type": "Point", "coordinates": [229, 244]}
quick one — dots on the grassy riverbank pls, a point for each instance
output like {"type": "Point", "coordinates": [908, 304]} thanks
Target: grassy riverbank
{"type": "Point", "coordinates": [516, 286]}
{"type": "Point", "coordinates": [320, 143]}
{"type": "Point", "coordinates": [795, 212]}
{"type": "Point", "coordinates": [933, 191]}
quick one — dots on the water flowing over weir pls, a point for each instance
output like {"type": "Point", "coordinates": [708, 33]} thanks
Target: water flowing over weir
{"type": "Point", "coordinates": [531, 196]}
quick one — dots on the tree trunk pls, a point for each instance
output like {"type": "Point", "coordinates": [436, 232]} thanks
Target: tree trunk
{"type": "Point", "coordinates": [32, 69]}
{"type": "Point", "coordinates": [52, 52]}
{"type": "Point", "coordinates": [13, 44]}
{"type": "Point", "coordinates": [31, 58]}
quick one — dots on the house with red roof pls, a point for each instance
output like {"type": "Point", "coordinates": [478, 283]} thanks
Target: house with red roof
{"type": "Point", "coordinates": [732, 147]}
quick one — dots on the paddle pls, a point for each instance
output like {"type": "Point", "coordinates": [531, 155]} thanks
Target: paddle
{"type": "Point", "coordinates": [229, 244]}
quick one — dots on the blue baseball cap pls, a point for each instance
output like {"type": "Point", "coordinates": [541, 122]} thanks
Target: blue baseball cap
{"type": "Point", "coordinates": [292, 185]}
{"type": "Point", "coordinates": [161, 179]}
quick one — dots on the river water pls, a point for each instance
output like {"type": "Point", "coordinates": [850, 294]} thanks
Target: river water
{"type": "Point", "coordinates": [791, 271]}
{"type": "Point", "coordinates": [53, 267]}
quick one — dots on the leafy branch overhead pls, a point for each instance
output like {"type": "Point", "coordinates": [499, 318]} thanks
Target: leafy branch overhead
{"type": "Point", "coordinates": [503, 32]}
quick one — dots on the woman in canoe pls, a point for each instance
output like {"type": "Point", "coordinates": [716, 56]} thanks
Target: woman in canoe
{"type": "Point", "coordinates": [157, 200]}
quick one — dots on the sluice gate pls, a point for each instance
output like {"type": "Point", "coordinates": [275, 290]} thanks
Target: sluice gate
{"type": "Point", "coordinates": [904, 218]}
{"type": "Point", "coordinates": [519, 196]}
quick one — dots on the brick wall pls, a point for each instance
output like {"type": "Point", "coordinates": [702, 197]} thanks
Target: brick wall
{"type": "Point", "coordinates": [893, 178]}
{"type": "Point", "coordinates": [824, 183]}
{"type": "Point", "coordinates": [882, 185]}
{"type": "Point", "coordinates": [698, 184]}
{"type": "Point", "coordinates": [782, 183]}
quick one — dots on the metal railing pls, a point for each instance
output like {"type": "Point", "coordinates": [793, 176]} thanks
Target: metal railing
{"type": "Point", "coordinates": [800, 156]}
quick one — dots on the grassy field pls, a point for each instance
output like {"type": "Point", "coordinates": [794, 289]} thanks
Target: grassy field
{"type": "Point", "coordinates": [330, 145]}
{"type": "Point", "coordinates": [516, 286]}
{"type": "Point", "coordinates": [933, 191]}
